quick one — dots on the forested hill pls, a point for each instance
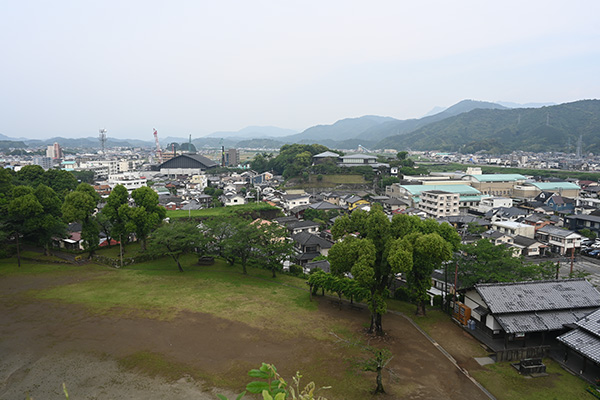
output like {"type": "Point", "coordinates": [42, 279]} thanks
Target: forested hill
{"type": "Point", "coordinates": [554, 128]}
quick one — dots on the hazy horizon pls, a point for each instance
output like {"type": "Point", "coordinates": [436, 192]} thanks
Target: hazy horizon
{"type": "Point", "coordinates": [70, 68]}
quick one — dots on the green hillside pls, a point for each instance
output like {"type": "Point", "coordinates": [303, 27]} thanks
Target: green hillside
{"type": "Point", "coordinates": [555, 128]}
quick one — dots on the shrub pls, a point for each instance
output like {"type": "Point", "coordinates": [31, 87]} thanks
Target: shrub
{"type": "Point", "coordinates": [402, 294]}
{"type": "Point", "coordinates": [296, 270]}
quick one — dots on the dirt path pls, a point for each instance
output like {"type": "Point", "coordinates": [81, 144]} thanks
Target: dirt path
{"type": "Point", "coordinates": [43, 344]}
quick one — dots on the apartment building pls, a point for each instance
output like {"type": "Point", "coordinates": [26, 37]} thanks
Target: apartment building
{"type": "Point", "coordinates": [439, 203]}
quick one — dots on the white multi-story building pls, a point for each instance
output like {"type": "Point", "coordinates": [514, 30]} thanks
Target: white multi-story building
{"type": "Point", "coordinates": [438, 203]}
{"type": "Point", "coordinates": [130, 181]}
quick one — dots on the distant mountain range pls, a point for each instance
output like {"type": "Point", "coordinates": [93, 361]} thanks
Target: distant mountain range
{"type": "Point", "coordinates": [553, 128]}
{"type": "Point", "coordinates": [467, 126]}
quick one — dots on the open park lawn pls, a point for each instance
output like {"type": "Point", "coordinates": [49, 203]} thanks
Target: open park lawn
{"type": "Point", "coordinates": [151, 332]}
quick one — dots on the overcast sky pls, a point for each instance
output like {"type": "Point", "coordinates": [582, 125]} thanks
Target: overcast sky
{"type": "Point", "coordinates": [68, 68]}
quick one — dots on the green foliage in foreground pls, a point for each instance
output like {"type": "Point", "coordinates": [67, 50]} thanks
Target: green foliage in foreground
{"type": "Point", "coordinates": [274, 387]}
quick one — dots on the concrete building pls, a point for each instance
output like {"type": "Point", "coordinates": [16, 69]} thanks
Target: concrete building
{"type": "Point", "coordinates": [530, 191]}
{"type": "Point", "coordinates": [514, 228]}
{"type": "Point", "coordinates": [488, 203]}
{"type": "Point", "coordinates": [468, 196]}
{"type": "Point", "coordinates": [187, 164]}
{"type": "Point", "coordinates": [44, 162]}
{"type": "Point", "coordinates": [495, 184]}
{"type": "Point", "coordinates": [439, 203]}
{"type": "Point", "coordinates": [54, 151]}
{"type": "Point", "coordinates": [232, 157]}
{"type": "Point", "coordinates": [130, 181]}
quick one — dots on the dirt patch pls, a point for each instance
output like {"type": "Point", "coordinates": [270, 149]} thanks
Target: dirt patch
{"type": "Point", "coordinates": [44, 343]}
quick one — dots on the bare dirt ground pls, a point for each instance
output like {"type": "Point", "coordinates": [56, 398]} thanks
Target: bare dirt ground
{"type": "Point", "coordinates": [43, 344]}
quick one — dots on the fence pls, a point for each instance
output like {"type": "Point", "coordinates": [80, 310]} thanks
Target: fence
{"type": "Point", "coordinates": [522, 353]}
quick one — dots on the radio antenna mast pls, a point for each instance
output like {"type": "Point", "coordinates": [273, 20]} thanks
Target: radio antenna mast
{"type": "Point", "coordinates": [102, 138]}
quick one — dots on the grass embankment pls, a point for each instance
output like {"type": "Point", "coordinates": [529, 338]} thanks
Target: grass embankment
{"type": "Point", "coordinates": [155, 289]}
{"type": "Point", "coordinates": [327, 181]}
{"type": "Point", "coordinates": [228, 211]}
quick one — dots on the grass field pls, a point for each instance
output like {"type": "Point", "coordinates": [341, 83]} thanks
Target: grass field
{"type": "Point", "coordinates": [156, 290]}
{"type": "Point", "coordinates": [502, 380]}
{"type": "Point", "coordinates": [222, 211]}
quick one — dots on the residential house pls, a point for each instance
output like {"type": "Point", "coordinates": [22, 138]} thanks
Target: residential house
{"type": "Point", "coordinates": [324, 157]}
{"type": "Point", "coordinates": [559, 240]}
{"type": "Point", "coordinates": [514, 228]}
{"type": "Point", "coordinates": [582, 347]}
{"type": "Point", "coordinates": [537, 220]}
{"type": "Point", "coordinates": [527, 247]}
{"type": "Point", "coordinates": [394, 205]}
{"type": "Point", "coordinates": [309, 246]}
{"type": "Point", "coordinates": [232, 199]}
{"type": "Point", "coordinates": [497, 237]}
{"type": "Point", "coordinates": [506, 214]}
{"type": "Point", "coordinates": [530, 313]}
{"type": "Point", "coordinates": [579, 222]}
{"type": "Point", "coordinates": [296, 227]}
{"type": "Point", "coordinates": [360, 160]}
{"type": "Point", "coordinates": [290, 201]}
{"type": "Point", "coordinates": [350, 202]}
{"type": "Point", "coordinates": [321, 264]}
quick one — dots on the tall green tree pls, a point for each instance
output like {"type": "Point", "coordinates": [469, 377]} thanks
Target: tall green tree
{"type": "Point", "coordinates": [62, 182]}
{"type": "Point", "coordinates": [80, 205]}
{"type": "Point", "coordinates": [23, 210]}
{"type": "Point", "coordinates": [272, 245]}
{"type": "Point", "coordinates": [30, 175]}
{"type": "Point", "coordinates": [176, 239]}
{"type": "Point", "coordinates": [484, 262]}
{"type": "Point", "coordinates": [374, 250]}
{"type": "Point", "coordinates": [118, 212]}
{"type": "Point", "coordinates": [241, 245]}
{"type": "Point", "coordinates": [49, 224]}
{"type": "Point", "coordinates": [147, 214]}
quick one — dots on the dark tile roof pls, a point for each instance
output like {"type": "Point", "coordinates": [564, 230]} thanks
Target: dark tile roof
{"type": "Point", "coordinates": [324, 205]}
{"type": "Point", "coordinates": [524, 241]}
{"type": "Point", "coordinates": [552, 230]}
{"type": "Point", "coordinates": [582, 342]}
{"type": "Point", "coordinates": [301, 224]}
{"type": "Point", "coordinates": [322, 264]}
{"type": "Point", "coordinates": [308, 239]}
{"type": "Point", "coordinates": [534, 296]}
{"type": "Point", "coordinates": [540, 321]}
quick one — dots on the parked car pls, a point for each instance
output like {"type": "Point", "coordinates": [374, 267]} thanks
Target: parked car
{"type": "Point", "coordinates": [594, 253]}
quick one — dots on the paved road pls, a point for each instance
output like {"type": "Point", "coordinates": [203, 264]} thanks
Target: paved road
{"type": "Point", "coordinates": [588, 265]}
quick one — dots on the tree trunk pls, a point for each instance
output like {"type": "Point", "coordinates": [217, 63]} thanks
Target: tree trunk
{"type": "Point", "coordinates": [372, 325]}
{"type": "Point", "coordinates": [179, 265]}
{"type": "Point", "coordinates": [379, 388]}
{"type": "Point", "coordinates": [121, 249]}
{"type": "Point", "coordinates": [378, 326]}
{"type": "Point", "coordinates": [273, 269]}
{"type": "Point", "coordinates": [244, 268]}
{"type": "Point", "coordinates": [142, 243]}
{"type": "Point", "coordinates": [18, 252]}
{"type": "Point", "coordinates": [421, 308]}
